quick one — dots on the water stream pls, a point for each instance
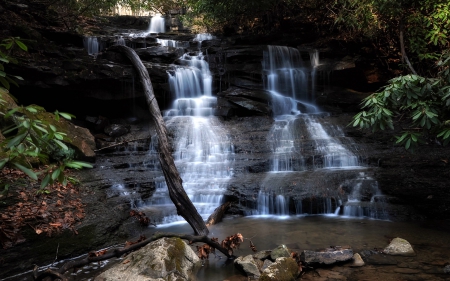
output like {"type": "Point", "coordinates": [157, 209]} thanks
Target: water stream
{"type": "Point", "coordinates": [301, 139]}
{"type": "Point", "coordinates": [203, 152]}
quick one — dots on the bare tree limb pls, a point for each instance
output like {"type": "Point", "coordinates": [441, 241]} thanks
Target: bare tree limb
{"type": "Point", "coordinates": [402, 47]}
{"type": "Point", "coordinates": [120, 143]}
{"type": "Point", "coordinates": [177, 194]}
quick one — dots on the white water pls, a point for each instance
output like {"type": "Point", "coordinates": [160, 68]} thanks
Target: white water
{"type": "Point", "coordinates": [203, 152]}
{"type": "Point", "coordinates": [292, 88]}
{"type": "Point", "coordinates": [157, 25]}
{"type": "Point", "coordinates": [92, 45]}
{"type": "Point", "coordinates": [301, 139]}
{"type": "Point", "coordinates": [173, 43]}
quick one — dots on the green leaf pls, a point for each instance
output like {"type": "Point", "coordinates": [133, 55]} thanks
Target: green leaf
{"type": "Point", "coordinates": [56, 173]}
{"type": "Point", "coordinates": [78, 164]}
{"type": "Point", "coordinates": [31, 109]}
{"type": "Point", "coordinates": [2, 74]}
{"type": "Point", "coordinates": [45, 181]}
{"type": "Point", "coordinates": [3, 162]}
{"type": "Point", "coordinates": [5, 83]}
{"type": "Point", "coordinates": [16, 140]}
{"type": "Point", "coordinates": [401, 138]}
{"type": "Point", "coordinates": [68, 116]}
{"type": "Point", "coordinates": [408, 144]}
{"type": "Point", "coordinates": [59, 136]}
{"type": "Point", "coordinates": [21, 45]}
{"type": "Point", "coordinates": [27, 171]}
{"type": "Point", "coordinates": [61, 144]}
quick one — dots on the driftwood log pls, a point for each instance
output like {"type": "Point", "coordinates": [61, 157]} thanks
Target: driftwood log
{"type": "Point", "coordinates": [117, 252]}
{"type": "Point", "coordinates": [177, 194]}
{"type": "Point", "coordinates": [218, 214]}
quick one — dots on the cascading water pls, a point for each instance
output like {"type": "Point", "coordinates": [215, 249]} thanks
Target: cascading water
{"type": "Point", "coordinates": [301, 139]}
{"type": "Point", "coordinates": [297, 120]}
{"type": "Point", "coordinates": [173, 43]}
{"type": "Point", "coordinates": [157, 25]}
{"type": "Point", "coordinates": [92, 45]}
{"type": "Point", "coordinates": [202, 149]}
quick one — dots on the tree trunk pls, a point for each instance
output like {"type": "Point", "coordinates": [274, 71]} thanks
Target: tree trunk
{"type": "Point", "coordinates": [402, 48]}
{"type": "Point", "coordinates": [178, 195]}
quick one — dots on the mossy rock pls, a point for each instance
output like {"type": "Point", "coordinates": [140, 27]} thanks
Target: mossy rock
{"type": "Point", "coordinates": [78, 138]}
{"type": "Point", "coordinates": [163, 259]}
{"type": "Point", "coordinates": [283, 269]}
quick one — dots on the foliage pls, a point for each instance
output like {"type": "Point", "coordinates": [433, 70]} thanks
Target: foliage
{"type": "Point", "coordinates": [419, 105]}
{"type": "Point", "coordinates": [29, 139]}
{"type": "Point", "coordinates": [426, 22]}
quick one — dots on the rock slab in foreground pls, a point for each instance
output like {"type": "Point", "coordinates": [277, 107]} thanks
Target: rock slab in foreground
{"type": "Point", "coordinates": [163, 259]}
{"type": "Point", "coordinates": [283, 269]}
{"type": "Point", "coordinates": [399, 247]}
{"type": "Point", "coordinates": [248, 265]}
{"type": "Point", "coordinates": [326, 257]}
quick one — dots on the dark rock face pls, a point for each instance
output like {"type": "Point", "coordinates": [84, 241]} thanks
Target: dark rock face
{"type": "Point", "coordinates": [117, 130]}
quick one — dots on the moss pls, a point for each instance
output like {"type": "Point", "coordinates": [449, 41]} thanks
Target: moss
{"type": "Point", "coordinates": [175, 255]}
{"type": "Point", "coordinates": [285, 270]}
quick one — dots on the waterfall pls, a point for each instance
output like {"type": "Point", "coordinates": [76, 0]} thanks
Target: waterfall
{"type": "Point", "coordinates": [203, 152]}
{"type": "Point", "coordinates": [92, 45]}
{"type": "Point", "coordinates": [173, 43]}
{"type": "Point", "coordinates": [301, 139]}
{"type": "Point", "coordinates": [157, 25]}
{"type": "Point", "coordinates": [291, 83]}
{"type": "Point", "coordinates": [120, 41]}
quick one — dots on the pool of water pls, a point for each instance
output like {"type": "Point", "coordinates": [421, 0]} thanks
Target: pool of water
{"type": "Point", "coordinates": [431, 243]}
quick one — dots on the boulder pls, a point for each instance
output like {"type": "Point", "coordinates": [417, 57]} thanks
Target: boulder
{"type": "Point", "coordinates": [248, 265]}
{"type": "Point", "coordinates": [280, 252]}
{"type": "Point", "coordinates": [163, 259]}
{"type": "Point", "coordinates": [357, 261]}
{"type": "Point", "coordinates": [262, 255]}
{"type": "Point", "coordinates": [79, 138]}
{"type": "Point", "coordinates": [376, 258]}
{"type": "Point", "coordinates": [328, 256]}
{"type": "Point", "coordinates": [283, 269]}
{"type": "Point", "coordinates": [399, 247]}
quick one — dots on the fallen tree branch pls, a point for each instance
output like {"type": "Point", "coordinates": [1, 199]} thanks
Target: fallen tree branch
{"type": "Point", "coordinates": [118, 252]}
{"type": "Point", "coordinates": [218, 214]}
{"type": "Point", "coordinates": [120, 143]}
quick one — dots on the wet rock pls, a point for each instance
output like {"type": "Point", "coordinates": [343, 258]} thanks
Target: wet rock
{"type": "Point", "coordinates": [329, 256]}
{"type": "Point", "coordinates": [399, 247]}
{"type": "Point", "coordinates": [262, 255]}
{"type": "Point", "coordinates": [376, 258]}
{"type": "Point", "coordinates": [117, 130]}
{"type": "Point", "coordinates": [447, 269]}
{"type": "Point", "coordinates": [283, 269]}
{"type": "Point", "coordinates": [97, 123]}
{"type": "Point", "coordinates": [160, 54]}
{"type": "Point", "coordinates": [266, 264]}
{"type": "Point", "coordinates": [245, 101]}
{"type": "Point", "coordinates": [163, 259]}
{"type": "Point", "coordinates": [280, 252]}
{"type": "Point", "coordinates": [248, 265]}
{"type": "Point", "coordinates": [357, 261]}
